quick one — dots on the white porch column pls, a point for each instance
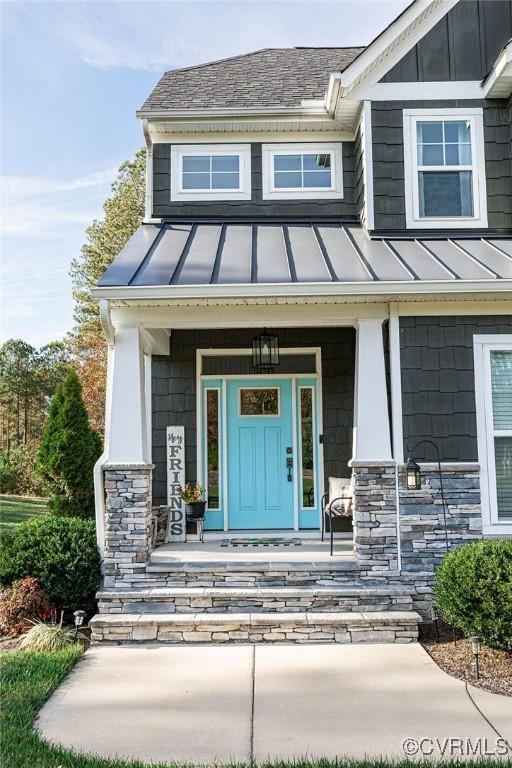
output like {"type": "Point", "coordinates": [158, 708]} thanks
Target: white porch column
{"type": "Point", "coordinates": [372, 437]}
{"type": "Point", "coordinates": [127, 431]}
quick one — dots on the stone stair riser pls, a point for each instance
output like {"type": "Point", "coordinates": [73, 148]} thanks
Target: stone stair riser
{"type": "Point", "coordinates": [249, 605]}
{"type": "Point", "coordinates": [246, 633]}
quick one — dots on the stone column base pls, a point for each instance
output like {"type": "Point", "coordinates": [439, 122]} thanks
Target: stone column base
{"type": "Point", "coordinates": [128, 489]}
{"type": "Point", "coordinates": [374, 517]}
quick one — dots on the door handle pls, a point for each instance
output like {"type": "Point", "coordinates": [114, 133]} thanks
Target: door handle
{"type": "Point", "coordinates": [289, 466]}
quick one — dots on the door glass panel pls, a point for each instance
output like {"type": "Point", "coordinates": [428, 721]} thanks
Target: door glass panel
{"type": "Point", "coordinates": [503, 457]}
{"type": "Point", "coordinates": [212, 446]}
{"type": "Point", "coordinates": [259, 402]}
{"type": "Point", "coordinates": [501, 384]}
{"type": "Point", "coordinates": [307, 453]}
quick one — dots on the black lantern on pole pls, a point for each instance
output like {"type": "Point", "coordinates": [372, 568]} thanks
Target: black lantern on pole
{"type": "Point", "coordinates": [265, 352]}
{"type": "Point", "coordinates": [413, 473]}
{"type": "Point", "coordinates": [413, 479]}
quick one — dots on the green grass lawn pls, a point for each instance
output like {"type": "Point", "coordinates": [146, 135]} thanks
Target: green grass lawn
{"type": "Point", "coordinates": [14, 511]}
{"type": "Point", "coordinates": [28, 678]}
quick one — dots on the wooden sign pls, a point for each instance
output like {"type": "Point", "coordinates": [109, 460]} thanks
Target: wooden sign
{"type": "Point", "coordinates": [175, 482]}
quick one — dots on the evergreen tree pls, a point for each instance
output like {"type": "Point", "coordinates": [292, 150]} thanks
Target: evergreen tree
{"type": "Point", "coordinates": [68, 452]}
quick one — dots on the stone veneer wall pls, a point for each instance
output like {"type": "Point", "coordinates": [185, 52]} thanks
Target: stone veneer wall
{"type": "Point", "coordinates": [127, 522]}
{"type": "Point", "coordinates": [422, 533]}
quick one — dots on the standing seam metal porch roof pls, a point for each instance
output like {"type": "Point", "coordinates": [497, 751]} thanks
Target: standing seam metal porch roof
{"type": "Point", "coordinates": [234, 253]}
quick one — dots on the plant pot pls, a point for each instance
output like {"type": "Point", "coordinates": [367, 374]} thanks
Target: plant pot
{"type": "Point", "coordinates": [195, 510]}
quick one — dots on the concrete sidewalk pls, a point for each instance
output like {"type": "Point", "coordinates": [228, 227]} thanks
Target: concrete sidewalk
{"type": "Point", "coordinates": [205, 704]}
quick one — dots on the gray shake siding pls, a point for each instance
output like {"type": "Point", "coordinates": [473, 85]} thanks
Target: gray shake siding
{"type": "Point", "coordinates": [344, 209]}
{"type": "Point", "coordinates": [388, 161]}
{"type": "Point", "coordinates": [463, 45]}
{"type": "Point", "coordinates": [174, 387]}
{"type": "Point", "coordinates": [438, 386]}
{"type": "Point", "coordinates": [359, 176]}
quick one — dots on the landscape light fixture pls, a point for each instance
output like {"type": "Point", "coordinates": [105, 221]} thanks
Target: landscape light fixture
{"type": "Point", "coordinates": [475, 647]}
{"type": "Point", "coordinates": [79, 620]}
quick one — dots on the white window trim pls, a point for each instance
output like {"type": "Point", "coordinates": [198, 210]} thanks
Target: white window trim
{"type": "Point", "coordinates": [335, 191]}
{"type": "Point", "coordinates": [482, 347]}
{"type": "Point", "coordinates": [412, 214]}
{"type": "Point", "coordinates": [201, 150]}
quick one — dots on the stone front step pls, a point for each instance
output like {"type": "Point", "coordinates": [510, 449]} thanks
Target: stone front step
{"type": "Point", "coordinates": [250, 574]}
{"type": "Point", "coordinates": [254, 599]}
{"type": "Point", "coordinates": [311, 627]}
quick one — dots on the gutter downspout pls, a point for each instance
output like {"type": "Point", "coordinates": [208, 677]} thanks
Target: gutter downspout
{"type": "Point", "coordinates": [99, 488]}
{"type": "Point", "coordinates": [396, 414]}
{"type": "Point", "coordinates": [148, 205]}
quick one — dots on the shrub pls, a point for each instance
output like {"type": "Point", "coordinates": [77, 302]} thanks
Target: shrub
{"type": "Point", "coordinates": [20, 604]}
{"type": "Point", "coordinates": [7, 479]}
{"type": "Point", "coordinates": [68, 451]}
{"type": "Point", "coordinates": [474, 591]}
{"type": "Point", "coordinates": [49, 637]}
{"type": "Point", "coordinates": [61, 552]}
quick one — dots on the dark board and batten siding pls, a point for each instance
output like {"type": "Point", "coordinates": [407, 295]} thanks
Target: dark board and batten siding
{"type": "Point", "coordinates": [388, 160]}
{"type": "Point", "coordinates": [163, 207]}
{"type": "Point", "coordinates": [463, 45]}
{"type": "Point", "coordinates": [438, 382]}
{"type": "Point", "coordinates": [174, 392]}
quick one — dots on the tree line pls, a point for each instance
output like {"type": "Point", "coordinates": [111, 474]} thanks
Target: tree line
{"type": "Point", "coordinates": [30, 378]}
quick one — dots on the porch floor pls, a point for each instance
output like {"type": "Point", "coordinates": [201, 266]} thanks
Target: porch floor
{"type": "Point", "coordinates": [310, 552]}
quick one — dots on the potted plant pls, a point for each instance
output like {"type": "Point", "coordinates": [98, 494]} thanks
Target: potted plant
{"type": "Point", "coordinates": [195, 503]}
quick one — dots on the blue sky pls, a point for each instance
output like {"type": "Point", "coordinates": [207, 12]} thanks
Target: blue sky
{"type": "Point", "coordinates": [73, 74]}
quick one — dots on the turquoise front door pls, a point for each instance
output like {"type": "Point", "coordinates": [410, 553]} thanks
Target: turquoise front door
{"type": "Point", "coordinates": [261, 463]}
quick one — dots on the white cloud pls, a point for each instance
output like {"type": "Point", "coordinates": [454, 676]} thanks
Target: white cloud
{"type": "Point", "coordinates": [13, 188]}
{"type": "Point", "coordinates": [39, 206]}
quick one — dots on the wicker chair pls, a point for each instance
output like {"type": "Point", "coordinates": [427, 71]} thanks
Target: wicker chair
{"type": "Point", "coordinates": [337, 502]}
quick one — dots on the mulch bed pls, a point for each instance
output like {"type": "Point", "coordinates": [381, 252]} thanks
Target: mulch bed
{"type": "Point", "coordinates": [454, 655]}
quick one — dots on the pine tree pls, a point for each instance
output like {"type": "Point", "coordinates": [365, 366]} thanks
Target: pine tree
{"type": "Point", "coordinates": [68, 452]}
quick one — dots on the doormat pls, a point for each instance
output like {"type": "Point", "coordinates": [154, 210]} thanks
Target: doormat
{"type": "Point", "coordinates": [256, 542]}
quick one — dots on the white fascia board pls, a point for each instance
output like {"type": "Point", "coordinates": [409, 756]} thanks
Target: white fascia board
{"type": "Point", "coordinates": [499, 82]}
{"type": "Point", "coordinates": [464, 89]}
{"type": "Point", "coordinates": [250, 290]}
{"type": "Point", "coordinates": [165, 114]}
{"type": "Point", "coordinates": [388, 48]}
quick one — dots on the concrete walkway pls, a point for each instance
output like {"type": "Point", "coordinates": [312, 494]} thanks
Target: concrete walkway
{"type": "Point", "coordinates": [241, 703]}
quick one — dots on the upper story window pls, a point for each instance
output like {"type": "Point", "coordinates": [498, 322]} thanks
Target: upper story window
{"type": "Point", "coordinates": [210, 172]}
{"type": "Point", "coordinates": [307, 171]}
{"type": "Point", "coordinates": [444, 168]}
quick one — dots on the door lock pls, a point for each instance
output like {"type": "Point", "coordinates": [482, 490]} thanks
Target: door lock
{"type": "Point", "coordinates": [289, 465]}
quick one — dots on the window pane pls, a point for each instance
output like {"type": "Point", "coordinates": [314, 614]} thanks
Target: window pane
{"type": "Point", "coordinates": [503, 456]}
{"type": "Point", "coordinates": [225, 163]}
{"type": "Point", "coordinates": [501, 386]}
{"type": "Point", "coordinates": [430, 154]}
{"type": "Point", "coordinates": [283, 180]}
{"type": "Point", "coordinates": [191, 163]}
{"type": "Point", "coordinates": [259, 402]}
{"type": "Point", "coordinates": [458, 154]}
{"type": "Point", "coordinates": [224, 180]}
{"type": "Point", "coordinates": [317, 179]}
{"type": "Point", "coordinates": [196, 181]}
{"type": "Point", "coordinates": [445, 193]}
{"type": "Point", "coordinates": [307, 454]}
{"type": "Point", "coordinates": [429, 132]}
{"type": "Point", "coordinates": [287, 162]}
{"type": "Point", "coordinates": [212, 446]}
{"type": "Point", "coordinates": [457, 131]}
{"type": "Point", "coordinates": [313, 162]}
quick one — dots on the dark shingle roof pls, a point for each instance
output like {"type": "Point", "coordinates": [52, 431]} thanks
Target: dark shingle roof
{"type": "Point", "coordinates": [280, 77]}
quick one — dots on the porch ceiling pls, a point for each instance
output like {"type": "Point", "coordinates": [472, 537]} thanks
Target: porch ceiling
{"type": "Point", "coordinates": [181, 255]}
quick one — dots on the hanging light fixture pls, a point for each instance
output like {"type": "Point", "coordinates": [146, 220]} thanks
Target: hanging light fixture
{"type": "Point", "coordinates": [265, 352]}
{"type": "Point", "coordinates": [413, 475]}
